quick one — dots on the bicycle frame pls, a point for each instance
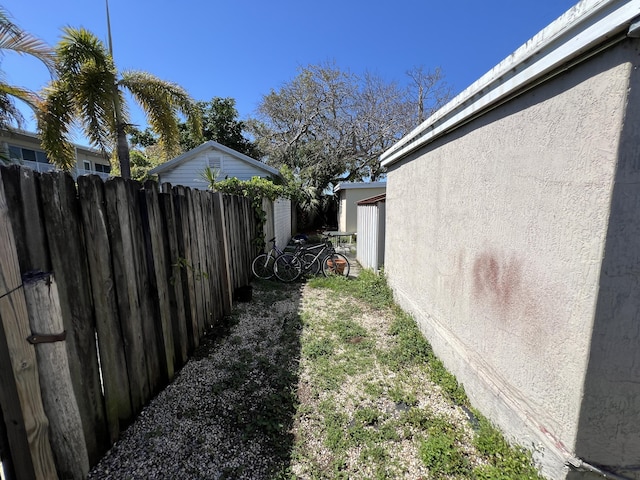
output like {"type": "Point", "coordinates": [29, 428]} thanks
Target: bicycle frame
{"type": "Point", "coordinates": [324, 250]}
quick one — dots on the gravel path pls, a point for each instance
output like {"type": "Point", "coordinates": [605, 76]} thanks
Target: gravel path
{"type": "Point", "coordinates": [312, 383]}
{"type": "Point", "coordinates": [229, 411]}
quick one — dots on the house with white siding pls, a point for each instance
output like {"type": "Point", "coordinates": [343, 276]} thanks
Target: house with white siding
{"type": "Point", "coordinates": [188, 168]}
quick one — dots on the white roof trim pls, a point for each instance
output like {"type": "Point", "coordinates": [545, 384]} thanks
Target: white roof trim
{"type": "Point", "coordinates": [350, 185]}
{"type": "Point", "coordinates": [7, 133]}
{"type": "Point", "coordinates": [583, 27]}
{"type": "Point", "coordinates": [218, 146]}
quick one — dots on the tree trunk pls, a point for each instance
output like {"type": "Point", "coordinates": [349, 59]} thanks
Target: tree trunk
{"type": "Point", "coordinates": [123, 152]}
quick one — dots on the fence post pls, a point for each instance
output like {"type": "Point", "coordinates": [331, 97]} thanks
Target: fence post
{"type": "Point", "coordinates": [61, 407]}
{"type": "Point", "coordinates": [20, 396]}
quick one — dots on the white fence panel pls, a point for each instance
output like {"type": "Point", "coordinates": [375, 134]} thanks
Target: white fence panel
{"type": "Point", "coordinates": [371, 233]}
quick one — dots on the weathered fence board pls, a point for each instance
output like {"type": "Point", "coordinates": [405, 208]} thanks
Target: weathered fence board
{"type": "Point", "coordinates": [223, 249]}
{"type": "Point", "coordinates": [22, 193]}
{"type": "Point", "coordinates": [118, 214]}
{"type": "Point", "coordinates": [60, 405]}
{"type": "Point", "coordinates": [110, 341]}
{"type": "Point", "coordinates": [179, 316]}
{"type": "Point", "coordinates": [186, 262]}
{"type": "Point", "coordinates": [68, 260]}
{"type": "Point", "coordinates": [159, 277]}
{"type": "Point", "coordinates": [141, 275]}
{"type": "Point", "coordinates": [152, 337]}
{"type": "Point", "coordinates": [20, 396]}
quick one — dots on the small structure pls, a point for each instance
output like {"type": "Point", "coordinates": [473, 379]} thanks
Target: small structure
{"type": "Point", "coordinates": [349, 194]}
{"type": "Point", "coordinates": [371, 232]}
{"type": "Point", "coordinates": [188, 168]}
{"type": "Point", "coordinates": [24, 148]}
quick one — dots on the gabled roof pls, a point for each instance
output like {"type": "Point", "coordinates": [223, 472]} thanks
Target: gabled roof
{"type": "Point", "coordinates": [194, 152]}
{"type": "Point", "coordinates": [350, 185]}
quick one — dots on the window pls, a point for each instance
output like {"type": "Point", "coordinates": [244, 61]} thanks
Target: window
{"type": "Point", "coordinates": [28, 155]}
{"type": "Point", "coordinates": [15, 153]}
{"type": "Point", "coordinates": [103, 168]}
{"type": "Point", "coordinates": [87, 164]}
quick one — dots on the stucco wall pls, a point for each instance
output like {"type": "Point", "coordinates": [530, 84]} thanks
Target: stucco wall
{"type": "Point", "coordinates": [495, 241]}
{"type": "Point", "coordinates": [348, 208]}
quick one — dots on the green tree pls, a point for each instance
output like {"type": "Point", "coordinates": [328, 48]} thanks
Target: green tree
{"type": "Point", "coordinates": [90, 90]}
{"type": "Point", "coordinates": [219, 123]}
{"type": "Point", "coordinates": [14, 39]}
{"type": "Point", "coordinates": [330, 125]}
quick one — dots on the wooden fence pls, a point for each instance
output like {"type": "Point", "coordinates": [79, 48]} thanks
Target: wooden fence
{"type": "Point", "coordinates": [133, 278]}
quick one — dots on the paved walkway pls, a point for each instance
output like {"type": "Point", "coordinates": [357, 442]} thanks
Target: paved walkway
{"type": "Point", "coordinates": [349, 251]}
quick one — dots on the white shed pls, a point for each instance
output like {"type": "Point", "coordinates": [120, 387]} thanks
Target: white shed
{"type": "Point", "coordinates": [187, 169]}
{"type": "Point", "coordinates": [371, 232]}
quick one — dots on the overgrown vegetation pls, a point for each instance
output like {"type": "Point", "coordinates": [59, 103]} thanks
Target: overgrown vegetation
{"type": "Point", "coordinates": [381, 401]}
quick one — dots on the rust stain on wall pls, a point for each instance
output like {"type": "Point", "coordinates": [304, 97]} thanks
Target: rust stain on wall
{"type": "Point", "coordinates": [497, 280]}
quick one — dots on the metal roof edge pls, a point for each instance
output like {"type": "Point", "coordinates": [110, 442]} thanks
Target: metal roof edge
{"type": "Point", "coordinates": [582, 28]}
{"type": "Point", "coordinates": [373, 200]}
{"type": "Point", "coordinates": [349, 185]}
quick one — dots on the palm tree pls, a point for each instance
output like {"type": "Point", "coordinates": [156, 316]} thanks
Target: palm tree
{"type": "Point", "coordinates": [14, 39]}
{"type": "Point", "coordinates": [89, 90]}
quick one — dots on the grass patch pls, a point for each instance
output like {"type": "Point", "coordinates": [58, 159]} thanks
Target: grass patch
{"type": "Point", "coordinates": [388, 374]}
{"type": "Point", "coordinates": [505, 462]}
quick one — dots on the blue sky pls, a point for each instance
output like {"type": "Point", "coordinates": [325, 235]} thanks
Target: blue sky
{"type": "Point", "coordinates": [245, 48]}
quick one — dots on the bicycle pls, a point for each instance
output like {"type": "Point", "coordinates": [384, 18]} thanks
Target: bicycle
{"type": "Point", "coordinates": [326, 259]}
{"type": "Point", "coordinates": [263, 265]}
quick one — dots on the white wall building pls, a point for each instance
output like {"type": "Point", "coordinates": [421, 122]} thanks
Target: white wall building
{"type": "Point", "coordinates": [513, 237]}
{"type": "Point", "coordinates": [24, 149]}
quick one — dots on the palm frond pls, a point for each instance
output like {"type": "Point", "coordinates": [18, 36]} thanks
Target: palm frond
{"type": "Point", "coordinates": [93, 99]}
{"type": "Point", "coordinates": [9, 113]}
{"type": "Point", "coordinates": [27, 96]}
{"type": "Point", "coordinates": [17, 40]}
{"type": "Point", "coordinates": [162, 100]}
{"type": "Point", "coordinates": [79, 47]}
{"type": "Point", "coordinates": [54, 119]}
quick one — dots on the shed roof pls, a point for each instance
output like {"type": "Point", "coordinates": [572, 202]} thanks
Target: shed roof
{"type": "Point", "coordinates": [585, 29]}
{"type": "Point", "coordinates": [373, 200]}
{"type": "Point", "coordinates": [194, 152]}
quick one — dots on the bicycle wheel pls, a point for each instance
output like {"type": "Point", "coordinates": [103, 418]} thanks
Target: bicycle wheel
{"type": "Point", "coordinates": [262, 266]}
{"type": "Point", "coordinates": [336, 264]}
{"type": "Point", "coordinates": [287, 268]}
{"type": "Point", "coordinates": [311, 264]}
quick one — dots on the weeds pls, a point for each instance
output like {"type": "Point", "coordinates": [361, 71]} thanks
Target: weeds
{"type": "Point", "coordinates": [373, 395]}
